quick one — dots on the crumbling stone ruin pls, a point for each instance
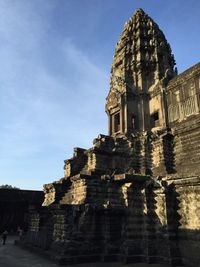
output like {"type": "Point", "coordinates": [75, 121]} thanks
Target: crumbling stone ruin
{"type": "Point", "coordinates": [133, 196]}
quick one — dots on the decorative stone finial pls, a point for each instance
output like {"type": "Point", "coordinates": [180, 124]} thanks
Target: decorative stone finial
{"type": "Point", "coordinates": [139, 11]}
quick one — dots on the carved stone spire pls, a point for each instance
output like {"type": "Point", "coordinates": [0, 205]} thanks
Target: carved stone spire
{"type": "Point", "coordinates": [141, 50]}
{"type": "Point", "coordinates": [141, 61]}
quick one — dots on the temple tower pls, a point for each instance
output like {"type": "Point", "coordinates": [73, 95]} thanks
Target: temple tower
{"type": "Point", "coordinates": [142, 65]}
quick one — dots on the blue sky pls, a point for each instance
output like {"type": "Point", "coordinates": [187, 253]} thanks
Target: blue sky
{"type": "Point", "coordinates": [55, 58]}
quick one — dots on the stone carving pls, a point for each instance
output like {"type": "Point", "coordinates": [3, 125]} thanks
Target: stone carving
{"type": "Point", "coordinates": [142, 61]}
{"type": "Point", "coordinates": [118, 84]}
{"type": "Point", "coordinates": [114, 99]}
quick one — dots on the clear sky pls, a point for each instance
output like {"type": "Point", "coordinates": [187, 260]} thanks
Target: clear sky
{"type": "Point", "coordinates": [55, 58]}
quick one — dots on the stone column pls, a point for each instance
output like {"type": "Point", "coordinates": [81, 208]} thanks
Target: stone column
{"type": "Point", "coordinates": [125, 115]}
{"type": "Point", "coordinates": [109, 124]}
{"type": "Point", "coordinates": [134, 225]}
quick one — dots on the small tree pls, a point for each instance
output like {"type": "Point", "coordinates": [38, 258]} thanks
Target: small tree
{"type": "Point", "coordinates": [7, 186]}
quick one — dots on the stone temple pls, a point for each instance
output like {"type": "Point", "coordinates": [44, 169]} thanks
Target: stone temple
{"type": "Point", "coordinates": [134, 196]}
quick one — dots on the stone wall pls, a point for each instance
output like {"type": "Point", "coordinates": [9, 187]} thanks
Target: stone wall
{"type": "Point", "coordinates": [187, 192]}
{"type": "Point", "coordinates": [146, 213]}
{"type": "Point", "coordinates": [14, 207]}
{"type": "Point", "coordinates": [186, 147]}
{"type": "Point", "coordinates": [112, 218]}
{"type": "Point", "coordinates": [183, 95]}
{"type": "Point", "coordinates": [187, 181]}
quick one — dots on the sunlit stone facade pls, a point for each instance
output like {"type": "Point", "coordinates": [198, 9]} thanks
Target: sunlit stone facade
{"type": "Point", "coordinates": [134, 195]}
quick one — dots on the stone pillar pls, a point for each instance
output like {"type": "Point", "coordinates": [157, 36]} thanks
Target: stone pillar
{"type": "Point", "coordinates": [156, 226]}
{"type": "Point", "coordinates": [121, 120]}
{"type": "Point", "coordinates": [109, 124]}
{"type": "Point", "coordinates": [134, 225]}
{"type": "Point", "coordinates": [112, 234]}
{"type": "Point", "coordinates": [126, 116]}
{"type": "Point", "coordinates": [173, 217]}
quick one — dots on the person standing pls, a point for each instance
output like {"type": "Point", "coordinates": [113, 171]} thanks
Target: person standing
{"type": "Point", "coordinates": [21, 233]}
{"type": "Point", "coordinates": [4, 237]}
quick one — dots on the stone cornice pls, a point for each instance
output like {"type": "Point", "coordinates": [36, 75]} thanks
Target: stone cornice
{"type": "Point", "coordinates": [184, 76]}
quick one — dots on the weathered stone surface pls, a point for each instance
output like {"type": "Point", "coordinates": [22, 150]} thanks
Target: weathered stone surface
{"type": "Point", "coordinates": [134, 195]}
{"type": "Point", "coordinates": [142, 65]}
